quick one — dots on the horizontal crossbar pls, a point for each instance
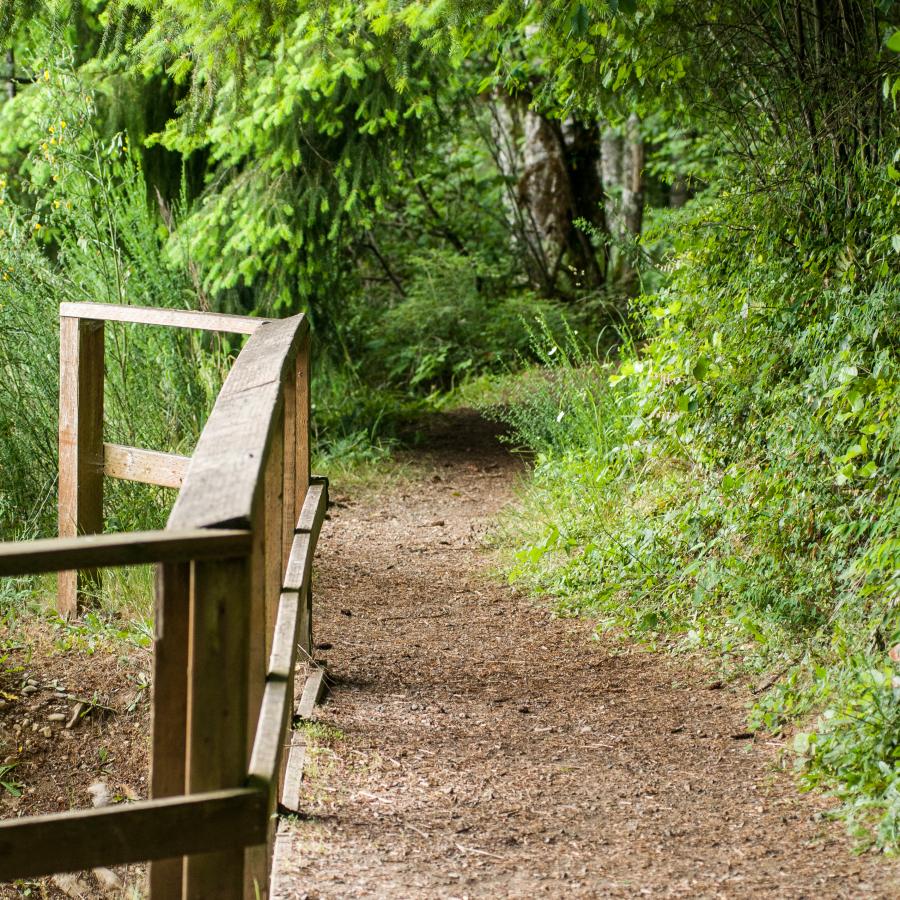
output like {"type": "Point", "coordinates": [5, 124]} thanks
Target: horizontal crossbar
{"type": "Point", "coordinates": [271, 730]}
{"type": "Point", "coordinates": [133, 548]}
{"type": "Point", "coordinates": [134, 832]}
{"type": "Point", "coordinates": [174, 318]}
{"type": "Point", "coordinates": [145, 466]}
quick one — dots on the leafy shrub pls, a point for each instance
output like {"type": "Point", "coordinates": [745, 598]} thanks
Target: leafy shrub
{"type": "Point", "coordinates": [452, 324]}
{"type": "Point", "coordinates": [76, 225]}
{"type": "Point", "coordinates": [732, 483]}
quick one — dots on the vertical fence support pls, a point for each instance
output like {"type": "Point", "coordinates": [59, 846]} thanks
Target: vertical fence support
{"type": "Point", "coordinates": [217, 709]}
{"type": "Point", "coordinates": [302, 398]}
{"type": "Point", "coordinates": [274, 515]}
{"type": "Point", "coordinates": [258, 859]}
{"type": "Point", "coordinates": [170, 667]}
{"type": "Point", "coordinates": [80, 449]}
{"type": "Point", "coordinates": [292, 499]}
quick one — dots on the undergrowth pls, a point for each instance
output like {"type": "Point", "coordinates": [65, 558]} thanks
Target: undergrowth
{"type": "Point", "coordinates": [730, 484]}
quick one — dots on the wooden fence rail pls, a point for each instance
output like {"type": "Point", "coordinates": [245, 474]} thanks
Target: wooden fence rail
{"type": "Point", "coordinates": [233, 605]}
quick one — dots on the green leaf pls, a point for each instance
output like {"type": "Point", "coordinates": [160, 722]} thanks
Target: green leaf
{"type": "Point", "coordinates": [893, 42]}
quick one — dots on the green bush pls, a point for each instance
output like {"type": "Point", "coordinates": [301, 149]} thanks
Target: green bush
{"type": "Point", "coordinates": [76, 225]}
{"type": "Point", "coordinates": [733, 483]}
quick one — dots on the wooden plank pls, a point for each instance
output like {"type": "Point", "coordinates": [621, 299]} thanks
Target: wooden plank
{"type": "Point", "coordinates": [283, 657]}
{"type": "Point", "coordinates": [131, 548]}
{"type": "Point", "coordinates": [145, 466]}
{"type": "Point", "coordinates": [292, 500]}
{"type": "Point", "coordinates": [112, 835]}
{"type": "Point", "coordinates": [233, 447]}
{"type": "Point", "coordinates": [217, 709]}
{"type": "Point", "coordinates": [169, 708]}
{"type": "Point", "coordinates": [299, 566]}
{"type": "Point", "coordinates": [275, 559]}
{"type": "Point", "coordinates": [314, 507]}
{"type": "Point", "coordinates": [173, 318]}
{"type": "Point", "coordinates": [298, 576]}
{"type": "Point", "coordinates": [256, 858]}
{"type": "Point", "coordinates": [293, 780]}
{"type": "Point", "coordinates": [302, 398]}
{"type": "Point", "coordinates": [312, 692]}
{"type": "Point", "coordinates": [271, 734]}
{"type": "Point", "coordinates": [81, 366]}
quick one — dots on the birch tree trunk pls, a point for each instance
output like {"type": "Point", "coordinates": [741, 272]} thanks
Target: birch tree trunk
{"type": "Point", "coordinates": [633, 181]}
{"type": "Point", "coordinates": [622, 163]}
{"type": "Point", "coordinates": [544, 189]}
{"type": "Point", "coordinates": [507, 127]}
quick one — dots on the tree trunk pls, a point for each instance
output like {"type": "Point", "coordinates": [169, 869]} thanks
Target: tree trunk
{"type": "Point", "coordinates": [507, 136]}
{"type": "Point", "coordinates": [633, 182]}
{"type": "Point", "coordinates": [11, 74]}
{"type": "Point", "coordinates": [611, 166]}
{"type": "Point", "coordinates": [544, 188]}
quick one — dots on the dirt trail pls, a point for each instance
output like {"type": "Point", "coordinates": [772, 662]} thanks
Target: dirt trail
{"type": "Point", "coordinates": [489, 750]}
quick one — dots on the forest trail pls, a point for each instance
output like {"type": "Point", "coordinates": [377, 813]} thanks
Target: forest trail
{"type": "Point", "coordinates": [491, 750]}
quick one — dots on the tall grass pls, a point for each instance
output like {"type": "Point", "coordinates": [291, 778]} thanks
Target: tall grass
{"type": "Point", "coordinates": [77, 225]}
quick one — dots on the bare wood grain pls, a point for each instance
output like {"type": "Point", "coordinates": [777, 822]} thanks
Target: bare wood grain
{"type": "Point", "coordinates": [312, 692]}
{"type": "Point", "coordinates": [145, 466]}
{"type": "Point", "coordinates": [233, 449]}
{"type": "Point", "coordinates": [274, 514]}
{"type": "Point", "coordinates": [169, 707]}
{"type": "Point", "coordinates": [296, 578]}
{"type": "Point", "coordinates": [302, 399]}
{"type": "Point", "coordinates": [81, 369]}
{"type": "Point", "coordinates": [174, 318]}
{"type": "Point", "coordinates": [127, 549]}
{"type": "Point", "coordinates": [293, 780]}
{"type": "Point", "coordinates": [217, 709]}
{"type": "Point", "coordinates": [151, 829]}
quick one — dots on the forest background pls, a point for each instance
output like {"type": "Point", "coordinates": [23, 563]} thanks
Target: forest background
{"type": "Point", "coordinates": [661, 240]}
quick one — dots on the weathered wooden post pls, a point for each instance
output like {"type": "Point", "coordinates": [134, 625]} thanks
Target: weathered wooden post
{"type": "Point", "coordinates": [81, 370]}
{"type": "Point", "coordinates": [171, 654]}
{"type": "Point", "coordinates": [217, 734]}
{"type": "Point", "coordinates": [302, 399]}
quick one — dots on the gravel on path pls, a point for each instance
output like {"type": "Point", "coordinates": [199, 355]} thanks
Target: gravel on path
{"type": "Point", "coordinates": [475, 746]}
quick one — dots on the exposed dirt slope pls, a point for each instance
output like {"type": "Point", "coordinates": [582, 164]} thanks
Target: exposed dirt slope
{"type": "Point", "coordinates": [490, 750]}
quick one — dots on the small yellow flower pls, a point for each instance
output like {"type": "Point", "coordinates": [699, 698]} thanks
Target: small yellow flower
{"type": "Point", "coordinates": [45, 147]}
{"type": "Point", "coordinates": [52, 140]}
{"type": "Point", "coordinates": [56, 204]}
{"type": "Point", "coordinates": [46, 74]}
{"type": "Point", "coordinates": [56, 177]}
{"type": "Point", "coordinates": [62, 124]}
{"type": "Point", "coordinates": [37, 226]}
{"type": "Point", "coordinates": [51, 129]}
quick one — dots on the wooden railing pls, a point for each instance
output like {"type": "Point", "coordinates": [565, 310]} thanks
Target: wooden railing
{"type": "Point", "coordinates": [233, 605]}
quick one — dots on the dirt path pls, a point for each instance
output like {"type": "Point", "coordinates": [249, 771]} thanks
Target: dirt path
{"type": "Point", "coordinates": [489, 750]}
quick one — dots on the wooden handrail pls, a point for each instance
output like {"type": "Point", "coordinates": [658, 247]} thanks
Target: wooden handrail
{"type": "Point", "coordinates": [233, 604]}
{"type": "Point", "coordinates": [173, 318]}
{"type": "Point", "coordinates": [233, 448]}
{"type": "Point", "coordinates": [131, 832]}
{"type": "Point", "coordinates": [293, 616]}
{"type": "Point", "coordinates": [133, 548]}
